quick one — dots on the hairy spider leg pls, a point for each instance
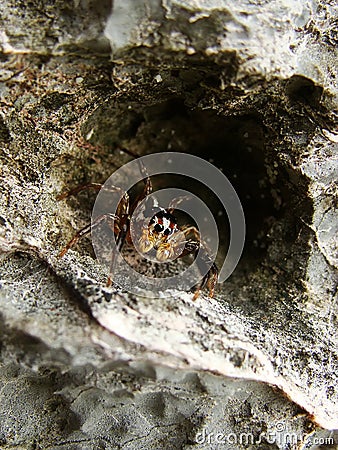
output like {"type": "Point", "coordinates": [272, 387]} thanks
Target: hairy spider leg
{"type": "Point", "coordinates": [78, 189]}
{"type": "Point", "coordinates": [148, 186]}
{"type": "Point", "coordinates": [109, 218]}
{"type": "Point", "coordinates": [191, 229]}
{"type": "Point", "coordinates": [209, 280]}
{"type": "Point", "coordinates": [121, 230]}
{"type": "Point", "coordinates": [125, 218]}
{"type": "Point", "coordinates": [175, 202]}
{"type": "Point", "coordinates": [124, 223]}
{"type": "Point", "coordinates": [120, 240]}
{"type": "Point", "coordinates": [193, 246]}
{"type": "Point", "coordinates": [147, 190]}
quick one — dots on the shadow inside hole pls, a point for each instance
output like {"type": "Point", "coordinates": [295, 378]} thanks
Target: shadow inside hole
{"type": "Point", "coordinates": [236, 145]}
{"type": "Point", "coordinates": [303, 90]}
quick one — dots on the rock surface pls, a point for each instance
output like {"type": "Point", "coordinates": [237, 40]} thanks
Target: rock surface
{"type": "Point", "coordinates": [251, 86]}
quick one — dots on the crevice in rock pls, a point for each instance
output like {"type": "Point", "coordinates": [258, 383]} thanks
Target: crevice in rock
{"type": "Point", "coordinates": [273, 193]}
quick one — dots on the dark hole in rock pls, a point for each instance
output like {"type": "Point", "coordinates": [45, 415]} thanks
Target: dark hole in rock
{"type": "Point", "coordinates": [303, 90]}
{"type": "Point", "coordinates": [238, 145]}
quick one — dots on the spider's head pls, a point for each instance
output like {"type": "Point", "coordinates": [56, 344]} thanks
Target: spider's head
{"type": "Point", "coordinates": [156, 236]}
{"type": "Point", "coordinates": [162, 225]}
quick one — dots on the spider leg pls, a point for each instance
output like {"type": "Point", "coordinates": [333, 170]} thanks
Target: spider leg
{"type": "Point", "coordinates": [110, 219]}
{"type": "Point", "coordinates": [204, 262]}
{"type": "Point", "coordinates": [136, 226]}
{"type": "Point", "coordinates": [175, 202]}
{"type": "Point", "coordinates": [78, 189]}
{"type": "Point", "coordinates": [124, 202]}
{"type": "Point", "coordinates": [148, 186]}
{"type": "Point", "coordinates": [177, 242]}
{"type": "Point", "coordinates": [209, 281]}
{"type": "Point", "coordinates": [143, 170]}
{"type": "Point", "coordinates": [190, 229]}
{"type": "Point", "coordinates": [120, 240]}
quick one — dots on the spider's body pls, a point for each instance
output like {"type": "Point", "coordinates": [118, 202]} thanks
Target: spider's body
{"type": "Point", "coordinates": [157, 234]}
{"type": "Point", "coordinates": [163, 224]}
{"type": "Point", "coordinates": [153, 230]}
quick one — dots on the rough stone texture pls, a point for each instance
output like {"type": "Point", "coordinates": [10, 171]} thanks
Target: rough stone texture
{"type": "Point", "coordinates": [250, 85]}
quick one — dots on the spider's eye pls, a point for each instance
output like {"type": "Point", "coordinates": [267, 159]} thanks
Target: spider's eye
{"type": "Point", "coordinates": [167, 231]}
{"type": "Point", "coordinates": [158, 228]}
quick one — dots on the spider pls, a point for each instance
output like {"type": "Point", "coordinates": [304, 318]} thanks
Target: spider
{"type": "Point", "coordinates": [157, 230]}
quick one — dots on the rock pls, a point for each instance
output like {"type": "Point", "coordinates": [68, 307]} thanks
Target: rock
{"type": "Point", "coordinates": [249, 86]}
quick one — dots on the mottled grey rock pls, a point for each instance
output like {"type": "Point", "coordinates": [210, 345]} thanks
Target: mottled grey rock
{"type": "Point", "coordinates": [249, 85]}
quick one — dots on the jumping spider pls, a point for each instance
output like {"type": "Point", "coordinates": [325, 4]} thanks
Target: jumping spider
{"type": "Point", "coordinates": [158, 231]}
